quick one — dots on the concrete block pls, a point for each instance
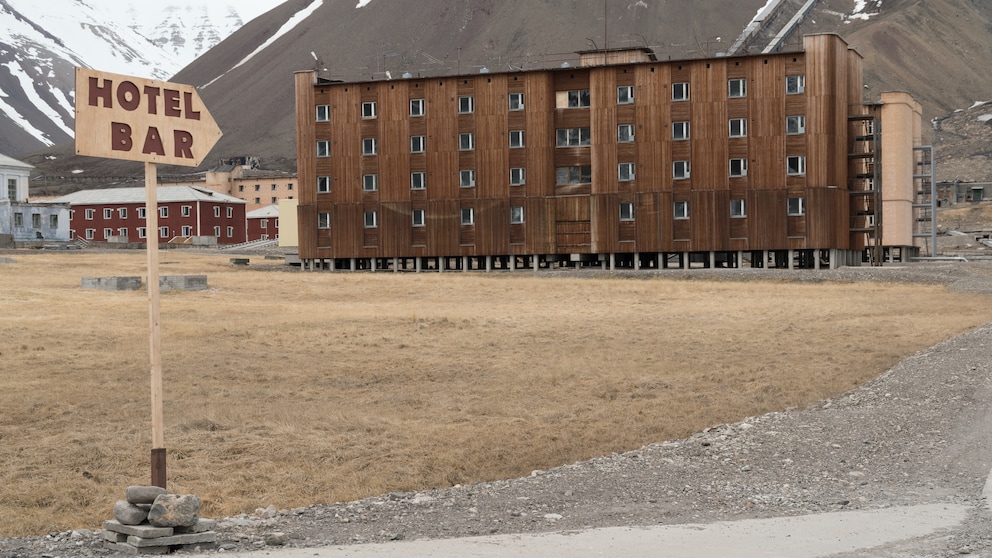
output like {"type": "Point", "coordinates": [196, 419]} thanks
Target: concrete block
{"type": "Point", "coordinates": [202, 526]}
{"type": "Point", "coordinates": [111, 283]}
{"type": "Point", "coordinates": [185, 540]}
{"type": "Point", "coordinates": [124, 548]}
{"type": "Point", "coordinates": [182, 282]}
{"type": "Point", "coordinates": [114, 537]}
{"type": "Point", "coordinates": [144, 531]}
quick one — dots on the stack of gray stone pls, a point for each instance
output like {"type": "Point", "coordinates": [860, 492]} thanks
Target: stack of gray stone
{"type": "Point", "coordinates": [151, 521]}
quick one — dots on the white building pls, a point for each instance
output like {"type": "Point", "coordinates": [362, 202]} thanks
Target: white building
{"type": "Point", "coordinates": [22, 221]}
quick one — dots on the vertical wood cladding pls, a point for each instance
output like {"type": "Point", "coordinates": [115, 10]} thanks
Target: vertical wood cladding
{"type": "Point", "coordinates": [563, 161]}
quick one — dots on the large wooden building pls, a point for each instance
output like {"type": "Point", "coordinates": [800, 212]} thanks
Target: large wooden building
{"type": "Point", "coordinates": [620, 160]}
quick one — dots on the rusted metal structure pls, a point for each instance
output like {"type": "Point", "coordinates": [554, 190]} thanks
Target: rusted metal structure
{"type": "Point", "coordinates": [620, 161]}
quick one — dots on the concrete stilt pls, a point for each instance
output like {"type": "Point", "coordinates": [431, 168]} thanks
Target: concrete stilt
{"type": "Point", "coordinates": [792, 265]}
{"type": "Point", "coordinates": [489, 264]}
{"type": "Point", "coordinates": [536, 262]}
{"type": "Point", "coordinates": [513, 263]}
{"type": "Point", "coordinates": [712, 259]}
{"type": "Point", "coordinates": [637, 261]}
{"type": "Point", "coordinates": [686, 263]}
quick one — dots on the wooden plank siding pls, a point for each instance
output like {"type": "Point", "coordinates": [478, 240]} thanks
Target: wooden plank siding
{"type": "Point", "coordinates": [584, 217]}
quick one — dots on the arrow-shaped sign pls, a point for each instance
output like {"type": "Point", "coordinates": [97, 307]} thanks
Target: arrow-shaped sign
{"type": "Point", "coordinates": [137, 119]}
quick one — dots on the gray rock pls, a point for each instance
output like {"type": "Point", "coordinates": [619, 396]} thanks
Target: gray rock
{"type": "Point", "coordinates": [129, 514]}
{"type": "Point", "coordinates": [143, 494]}
{"type": "Point", "coordinates": [276, 539]}
{"type": "Point", "coordinates": [175, 510]}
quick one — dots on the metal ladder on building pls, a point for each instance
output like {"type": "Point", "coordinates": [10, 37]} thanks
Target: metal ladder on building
{"type": "Point", "coordinates": [865, 183]}
{"type": "Point", "coordinates": [925, 197]}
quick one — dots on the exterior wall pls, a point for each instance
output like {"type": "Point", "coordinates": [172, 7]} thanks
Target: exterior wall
{"type": "Point", "coordinates": [901, 119]}
{"type": "Point", "coordinates": [260, 191]}
{"type": "Point", "coordinates": [32, 222]}
{"type": "Point", "coordinates": [263, 228]}
{"type": "Point", "coordinates": [18, 177]}
{"type": "Point", "coordinates": [584, 216]}
{"type": "Point", "coordinates": [289, 231]}
{"type": "Point", "coordinates": [197, 218]}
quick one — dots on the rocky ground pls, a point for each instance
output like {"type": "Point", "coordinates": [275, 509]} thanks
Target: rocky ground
{"type": "Point", "coordinates": [918, 434]}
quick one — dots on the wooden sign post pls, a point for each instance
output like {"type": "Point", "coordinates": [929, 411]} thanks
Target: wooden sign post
{"type": "Point", "coordinates": [136, 119]}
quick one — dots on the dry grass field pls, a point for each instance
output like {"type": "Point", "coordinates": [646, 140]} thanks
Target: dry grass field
{"type": "Point", "coordinates": [296, 388]}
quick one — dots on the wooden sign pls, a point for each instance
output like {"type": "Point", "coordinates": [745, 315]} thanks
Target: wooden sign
{"type": "Point", "coordinates": [137, 119]}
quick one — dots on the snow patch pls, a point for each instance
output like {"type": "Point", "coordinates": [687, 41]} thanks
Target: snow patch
{"type": "Point", "coordinates": [978, 104]}
{"type": "Point", "coordinates": [985, 118]}
{"type": "Point", "coordinates": [859, 10]}
{"type": "Point", "coordinates": [362, 3]}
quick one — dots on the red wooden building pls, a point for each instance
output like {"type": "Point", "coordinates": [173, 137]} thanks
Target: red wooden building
{"type": "Point", "coordinates": [185, 212]}
{"type": "Point", "coordinates": [263, 223]}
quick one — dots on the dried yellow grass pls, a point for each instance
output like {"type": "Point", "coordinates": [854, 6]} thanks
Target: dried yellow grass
{"type": "Point", "coordinates": [297, 388]}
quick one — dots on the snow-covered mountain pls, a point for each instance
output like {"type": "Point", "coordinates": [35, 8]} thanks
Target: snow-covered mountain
{"type": "Point", "coordinates": [42, 42]}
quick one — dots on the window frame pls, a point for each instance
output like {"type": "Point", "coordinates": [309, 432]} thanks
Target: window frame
{"type": "Point", "coordinates": [108, 213]}
{"type": "Point", "coordinates": [418, 144]}
{"type": "Point", "coordinates": [323, 113]}
{"type": "Point", "coordinates": [680, 130]}
{"type": "Point", "coordinates": [370, 182]}
{"type": "Point", "coordinates": [323, 220]}
{"type": "Point", "coordinates": [627, 211]}
{"type": "Point", "coordinates": [466, 178]}
{"type": "Point", "coordinates": [796, 206]}
{"type": "Point", "coordinates": [418, 222]}
{"type": "Point", "coordinates": [680, 91]}
{"type": "Point", "coordinates": [629, 137]}
{"type": "Point", "coordinates": [517, 138]}
{"type": "Point", "coordinates": [418, 107]}
{"type": "Point", "coordinates": [800, 166]}
{"type": "Point", "coordinates": [518, 176]}
{"type": "Point", "coordinates": [626, 172]}
{"type": "Point", "coordinates": [795, 84]}
{"type": "Point", "coordinates": [323, 184]}
{"type": "Point", "coordinates": [466, 104]}
{"type": "Point", "coordinates": [681, 210]}
{"type": "Point", "coordinates": [741, 91]}
{"type": "Point", "coordinates": [422, 176]}
{"type": "Point", "coordinates": [466, 216]}
{"type": "Point", "coordinates": [323, 148]}
{"type": "Point", "coordinates": [741, 128]}
{"type": "Point", "coordinates": [90, 214]}
{"type": "Point", "coordinates": [578, 98]}
{"type": "Point", "coordinates": [370, 219]}
{"type": "Point", "coordinates": [216, 211]}
{"type": "Point", "coordinates": [370, 146]}
{"type": "Point", "coordinates": [163, 212]}
{"type": "Point", "coordinates": [797, 122]}
{"type": "Point", "coordinates": [516, 215]}
{"type": "Point", "coordinates": [466, 141]}
{"type": "Point", "coordinates": [686, 168]}
{"type": "Point", "coordinates": [573, 137]}
{"type": "Point", "coordinates": [368, 110]}
{"type": "Point", "coordinates": [578, 172]}
{"type": "Point", "coordinates": [738, 208]}
{"type": "Point", "coordinates": [515, 101]}
{"type": "Point", "coordinates": [741, 163]}
{"type": "Point", "coordinates": [625, 94]}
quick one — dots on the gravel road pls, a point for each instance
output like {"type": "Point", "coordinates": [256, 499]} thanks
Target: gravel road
{"type": "Point", "coordinates": [919, 434]}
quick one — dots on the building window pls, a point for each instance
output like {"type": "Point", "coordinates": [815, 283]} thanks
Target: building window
{"type": "Point", "coordinates": [796, 165]}
{"type": "Point", "coordinates": [216, 211]}
{"type": "Point", "coordinates": [12, 189]}
{"type": "Point", "coordinates": [466, 141]}
{"type": "Point", "coordinates": [90, 213]}
{"type": "Point", "coordinates": [217, 232]}
{"type": "Point", "coordinates": [625, 94]}
{"type": "Point", "coordinates": [795, 85]}
{"type": "Point", "coordinates": [578, 98]}
{"type": "Point", "coordinates": [323, 184]}
{"type": "Point", "coordinates": [274, 199]}
{"type": "Point", "coordinates": [680, 91]}
{"type": "Point", "coordinates": [230, 210]}
{"type": "Point", "coordinates": [241, 187]}
{"type": "Point", "coordinates": [230, 232]}
{"type": "Point", "coordinates": [468, 216]}
{"type": "Point", "coordinates": [35, 221]}
{"type": "Point", "coordinates": [258, 200]}
{"type": "Point", "coordinates": [738, 127]}
{"type": "Point", "coordinates": [626, 211]}
{"type": "Point", "coordinates": [18, 219]}
{"type": "Point", "coordinates": [53, 221]}
{"type": "Point", "coordinates": [265, 223]}
{"type": "Point", "coordinates": [418, 218]}
{"type": "Point", "coordinates": [574, 175]}
{"type": "Point", "coordinates": [122, 212]}
{"type": "Point", "coordinates": [466, 104]}
{"type": "Point", "coordinates": [141, 213]}
{"type": "Point", "coordinates": [108, 213]}
{"type": "Point", "coordinates": [323, 113]}
{"type": "Point", "coordinates": [680, 170]}
{"type": "Point", "coordinates": [368, 146]}
{"type": "Point", "coordinates": [289, 186]}
{"type": "Point", "coordinates": [516, 138]}
{"type": "Point", "coordinates": [107, 233]}
{"type": "Point", "coordinates": [625, 133]}
{"type": "Point", "coordinates": [371, 220]}
{"type": "Point", "coordinates": [90, 234]}
{"type": "Point", "coordinates": [273, 188]}
{"type": "Point", "coordinates": [518, 176]}
{"type": "Point", "coordinates": [368, 109]}
{"type": "Point", "coordinates": [681, 210]}
{"type": "Point", "coordinates": [416, 107]}
{"type": "Point", "coordinates": [418, 144]}
{"type": "Point", "coordinates": [163, 212]}
{"type": "Point", "coordinates": [737, 88]}
{"type": "Point", "coordinates": [516, 215]}
{"type": "Point", "coordinates": [738, 167]}
{"type": "Point", "coordinates": [370, 182]}
{"type": "Point", "coordinates": [466, 178]}
{"type": "Point", "coordinates": [680, 130]}
{"type": "Point", "coordinates": [323, 148]}
{"type": "Point", "coordinates": [418, 180]}
{"type": "Point", "coordinates": [797, 206]}
{"type": "Point", "coordinates": [258, 187]}
{"type": "Point", "coordinates": [737, 209]}
{"type": "Point", "coordinates": [626, 172]}
{"type": "Point", "coordinates": [187, 231]}
{"type": "Point", "coordinates": [795, 125]}
{"type": "Point", "coordinates": [572, 137]}
{"type": "Point", "coordinates": [516, 101]}
{"type": "Point", "coordinates": [163, 232]}
{"type": "Point", "coordinates": [142, 232]}
{"type": "Point", "coordinates": [185, 210]}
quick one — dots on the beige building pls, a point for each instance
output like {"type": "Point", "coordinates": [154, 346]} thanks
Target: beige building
{"type": "Point", "coordinates": [242, 178]}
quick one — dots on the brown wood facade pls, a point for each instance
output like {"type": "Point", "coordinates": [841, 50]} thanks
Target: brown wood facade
{"type": "Point", "coordinates": [727, 186]}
